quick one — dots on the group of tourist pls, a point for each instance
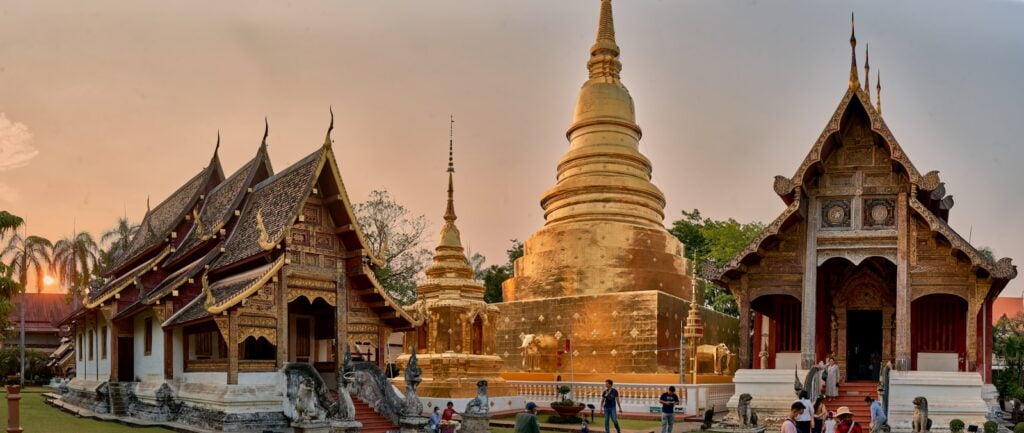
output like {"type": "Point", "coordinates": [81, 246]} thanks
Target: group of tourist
{"type": "Point", "coordinates": [805, 417]}
{"type": "Point", "coordinates": [611, 406]}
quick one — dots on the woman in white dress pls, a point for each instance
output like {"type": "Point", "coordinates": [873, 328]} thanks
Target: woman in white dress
{"type": "Point", "coordinates": [832, 379]}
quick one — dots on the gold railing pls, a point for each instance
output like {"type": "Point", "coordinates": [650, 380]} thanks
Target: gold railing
{"type": "Point", "coordinates": [204, 365]}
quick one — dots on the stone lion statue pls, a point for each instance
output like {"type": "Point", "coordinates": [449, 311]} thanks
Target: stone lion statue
{"type": "Point", "coordinates": [305, 401]}
{"type": "Point", "coordinates": [479, 405]}
{"type": "Point", "coordinates": [718, 356]}
{"type": "Point", "coordinates": [921, 423]}
{"type": "Point", "coordinates": [748, 418]}
{"type": "Point", "coordinates": [533, 347]}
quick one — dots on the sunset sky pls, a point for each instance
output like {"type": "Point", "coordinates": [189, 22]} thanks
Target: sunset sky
{"type": "Point", "coordinates": [103, 103]}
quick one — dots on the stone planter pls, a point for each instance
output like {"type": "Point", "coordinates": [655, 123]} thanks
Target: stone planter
{"type": "Point", "coordinates": [567, 411]}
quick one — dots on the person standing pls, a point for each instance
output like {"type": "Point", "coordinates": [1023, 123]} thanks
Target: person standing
{"type": "Point", "coordinates": [668, 401]}
{"type": "Point", "coordinates": [435, 420]}
{"type": "Point", "coordinates": [789, 424]}
{"type": "Point", "coordinates": [526, 422]}
{"type": "Point", "coordinates": [832, 379]}
{"type": "Point", "coordinates": [804, 421]}
{"type": "Point", "coordinates": [820, 412]}
{"type": "Point", "coordinates": [447, 426]}
{"type": "Point", "coordinates": [846, 423]}
{"type": "Point", "coordinates": [878, 417]}
{"type": "Point", "coordinates": [830, 422]}
{"type": "Point", "coordinates": [610, 401]}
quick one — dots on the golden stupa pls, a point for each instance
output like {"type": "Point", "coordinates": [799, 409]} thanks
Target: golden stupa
{"type": "Point", "coordinates": [603, 272]}
{"type": "Point", "coordinates": [454, 327]}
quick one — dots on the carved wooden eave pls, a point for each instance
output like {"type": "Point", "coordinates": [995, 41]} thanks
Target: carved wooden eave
{"type": "Point", "coordinates": [755, 249]}
{"type": "Point", "coordinates": [376, 289]}
{"type": "Point", "coordinates": [1003, 269]}
{"type": "Point", "coordinates": [129, 278]}
{"type": "Point", "coordinates": [217, 307]}
{"type": "Point", "coordinates": [785, 187]}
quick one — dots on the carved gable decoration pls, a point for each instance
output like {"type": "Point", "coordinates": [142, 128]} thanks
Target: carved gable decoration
{"type": "Point", "coordinates": [879, 213]}
{"type": "Point", "coordinates": [835, 214]}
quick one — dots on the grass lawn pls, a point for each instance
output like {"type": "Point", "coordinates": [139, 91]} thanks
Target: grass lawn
{"type": "Point", "coordinates": [37, 417]}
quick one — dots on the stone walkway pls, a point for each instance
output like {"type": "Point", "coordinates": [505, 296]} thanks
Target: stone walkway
{"type": "Point", "coordinates": [681, 426]}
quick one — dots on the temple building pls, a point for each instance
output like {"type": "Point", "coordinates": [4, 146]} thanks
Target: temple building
{"type": "Point", "coordinates": [862, 265]}
{"type": "Point", "coordinates": [454, 336]}
{"type": "Point", "coordinates": [603, 287]}
{"type": "Point", "coordinates": [228, 281]}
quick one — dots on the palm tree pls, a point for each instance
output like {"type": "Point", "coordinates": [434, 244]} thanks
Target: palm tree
{"type": "Point", "coordinates": [75, 261]}
{"type": "Point", "coordinates": [28, 254]}
{"type": "Point", "coordinates": [117, 238]}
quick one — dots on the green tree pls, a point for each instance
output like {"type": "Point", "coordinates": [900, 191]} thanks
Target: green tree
{"type": "Point", "coordinates": [394, 236]}
{"type": "Point", "coordinates": [8, 286]}
{"type": "Point", "coordinates": [77, 262]}
{"type": "Point", "coordinates": [988, 253]}
{"type": "Point", "coordinates": [715, 241]}
{"type": "Point", "coordinates": [28, 255]}
{"type": "Point", "coordinates": [494, 275]}
{"type": "Point", "coordinates": [1008, 346]}
{"type": "Point", "coordinates": [116, 238]}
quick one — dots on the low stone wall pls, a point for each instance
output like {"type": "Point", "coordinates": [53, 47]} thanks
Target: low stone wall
{"type": "Point", "coordinates": [88, 394]}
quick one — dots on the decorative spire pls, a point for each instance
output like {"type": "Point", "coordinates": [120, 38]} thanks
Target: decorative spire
{"type": "Point", "coordinates": [147, 204]}
{"type": "Point", "coordinates": [867, 70]}
{"type": "Point", "coordinates": [449, 213]}
{"type": "Point", "coordinates": [854, 80]}
{"type": "Point", "coordinates": [878, 92]}
{"type": "Point", "coordinates": [327, 139]}
{"type": "Point", "coordinates": [604, 55]}
{"type": "Point", "coordinates": [217, 147]}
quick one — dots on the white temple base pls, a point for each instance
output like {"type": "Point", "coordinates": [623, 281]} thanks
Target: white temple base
{"type": "Point", "coordinates": [950, 395]}
{"type": "Point", "coordinates": [498, 404]}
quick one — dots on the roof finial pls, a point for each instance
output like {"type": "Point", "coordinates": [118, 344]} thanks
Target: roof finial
{"type": "Point", "coordinates": [217, 147]}
{"type": "Point", "coordinates": [604, 55]}
{"type": "Point", "coordinates": [147, 204]}
{"type": "Point", "coordinates": [449, 213]}
{"type": "Point", "coordinates": [266, 131]}
{"type": "Point", "coordinates": [854, 80]}
{"type": "Point", "coordinates": [867, 70]}
{"type": "Point", "coordinates": [878, 92]}
{"type": "Point", "coordinates": [327, 140]}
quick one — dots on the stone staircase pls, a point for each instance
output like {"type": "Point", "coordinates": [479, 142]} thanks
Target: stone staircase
{"type": "Point", "coordinates": [851, 394]}
{"type": "Point", "coordinates": [373, 422]}
{"type": "Point", "coordinates": [118, 394]}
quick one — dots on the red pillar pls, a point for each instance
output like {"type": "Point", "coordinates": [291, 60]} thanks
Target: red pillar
{"type": "Point", "coordinates": [14, 409]}
{"type": "Point", "coordinates": [756, 350]}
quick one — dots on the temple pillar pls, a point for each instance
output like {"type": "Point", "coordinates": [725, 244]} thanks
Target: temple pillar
{"type": "Point", "coordinates": [808, 303]}
{"type": "Point", "coordinates": [743, 302]}
{"type": "Point", "coordinates": [112, 356]}
{"type": "Point", "coordinates": [282, 318]}
{"type": "Point", "coordinates": [887, 335]}
{"type": "Point", "coordinates": [384, 347]}
{"type": "Point", "coordinates": [973, 307]}
{"type": "Point", "coordinates": [232, 344]}
{"type": "Point", "coordinates": [902, 357]}
{"type": "Point", "coordinates": [341, 317]}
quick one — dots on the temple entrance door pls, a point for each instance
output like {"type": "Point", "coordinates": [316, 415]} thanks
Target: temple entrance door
{"type": "Point", "coordinates": [864, 344]}
{"type": "Point", "coordinates": [125, 359]}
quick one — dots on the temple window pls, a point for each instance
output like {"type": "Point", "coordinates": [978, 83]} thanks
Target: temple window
{"type": "Point", "coordinates": [91, 344]}
{"type": "Point", "coordinates": [147, 326]}
{"type": "Point", "coordinates": [204, 348]}
{"type": "Point", "coordinates": [254, 348]}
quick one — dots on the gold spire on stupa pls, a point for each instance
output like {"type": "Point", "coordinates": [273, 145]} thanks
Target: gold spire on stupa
{"type": "Point", "coordinates": [450, 269]}
{"type": "Point", "coordinates": [867, 70]}
{"type": "Point", "coordinates": [604, 177]}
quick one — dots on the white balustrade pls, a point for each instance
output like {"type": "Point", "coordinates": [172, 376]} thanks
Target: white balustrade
{"type": "Point", "coordinates": [635, 397]}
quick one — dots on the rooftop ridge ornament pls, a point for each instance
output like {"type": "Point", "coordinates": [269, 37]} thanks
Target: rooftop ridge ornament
{"type": "Point", "coordinates": [266, 131]}
{"type": "Point", "coordinates": [327, 139]}
{"type": "Point", "coordinates": [216, 148]}
{"type": "Point", "coordinates": [854, 80]}
{"type": "Point", "coordinates": [604, 54]}
{"type": "Point", "coordinates": [878, 92]}
{"type": "Point", "coordinates": [867, 70]}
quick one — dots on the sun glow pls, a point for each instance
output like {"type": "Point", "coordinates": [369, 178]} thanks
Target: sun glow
{"type": "Point", "coordinates": [48, 280]}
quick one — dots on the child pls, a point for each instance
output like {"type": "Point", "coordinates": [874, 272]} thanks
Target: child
{"type": "Point", "coordinates": [584, 427]}
{"type": "Point", "coordinates": [830, 422]}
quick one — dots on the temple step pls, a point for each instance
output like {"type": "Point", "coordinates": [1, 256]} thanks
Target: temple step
{"type": "Point", "coordinates": [373, 422]}
{"type": "Point", "coordinates": [851, 395]}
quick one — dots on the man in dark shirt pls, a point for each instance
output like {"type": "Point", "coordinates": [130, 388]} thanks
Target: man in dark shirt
{"type": "Point", "coordinates": [610, 401]}
{"type": "Point", "coordinates": [668, 401]}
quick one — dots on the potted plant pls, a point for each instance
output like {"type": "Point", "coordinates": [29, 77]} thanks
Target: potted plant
{"type": "Point", "coordinates": [565, 407]}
